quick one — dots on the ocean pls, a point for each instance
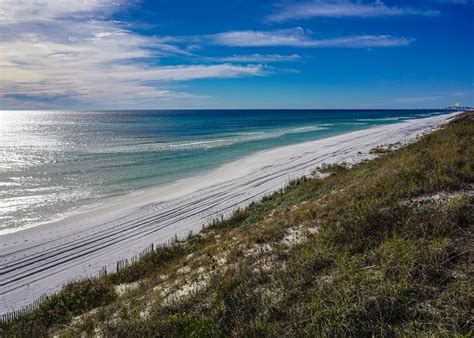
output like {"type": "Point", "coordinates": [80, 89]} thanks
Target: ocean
{"type": "Point", "coordinates": [54, 163]}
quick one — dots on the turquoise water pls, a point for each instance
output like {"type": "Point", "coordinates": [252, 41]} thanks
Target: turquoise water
{"type": "Point", "coordinates": [54, 162]}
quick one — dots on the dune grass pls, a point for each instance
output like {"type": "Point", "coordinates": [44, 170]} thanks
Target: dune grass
{"type": "Point", "coordinates": [384, 248]}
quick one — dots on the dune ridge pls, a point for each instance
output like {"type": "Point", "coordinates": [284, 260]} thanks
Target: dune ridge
{"type": "Point", "coordinates": [40, 260]}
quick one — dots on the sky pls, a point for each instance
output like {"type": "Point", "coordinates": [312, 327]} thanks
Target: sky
{"type": "Point", "coordinates": [177, 54]}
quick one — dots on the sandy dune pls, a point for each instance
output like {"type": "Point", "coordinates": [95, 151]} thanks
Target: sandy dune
{"type": "Point", "coordinates": [41, 259]}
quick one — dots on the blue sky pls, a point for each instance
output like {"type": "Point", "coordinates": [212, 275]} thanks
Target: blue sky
{"type": "Point", "coordinates": [117, 54]}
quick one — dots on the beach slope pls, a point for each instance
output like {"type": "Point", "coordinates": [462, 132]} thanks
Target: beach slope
{"type": "Point", "coordinates": [39, 260]}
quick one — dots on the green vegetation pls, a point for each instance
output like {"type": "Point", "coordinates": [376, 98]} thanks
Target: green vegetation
{"type": "Point", "coordinates": [384, 248]}
{"type": "Point", "coordinates": [384, 149]}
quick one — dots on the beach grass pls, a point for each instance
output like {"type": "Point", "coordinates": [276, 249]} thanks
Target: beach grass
{"type": "Point", "coordinates": [383, 248]}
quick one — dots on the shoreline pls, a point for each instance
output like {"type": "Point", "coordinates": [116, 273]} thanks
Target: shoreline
{"type": "Point", "coordinates": [114, 199]}
{"type": "Point", "coordinates": [95, 201]}
{"type": "Point", "coordinates": [39, 260]}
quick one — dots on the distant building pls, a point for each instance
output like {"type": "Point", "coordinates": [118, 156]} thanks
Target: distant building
{"type": "Point", "coordinates": [457, 106]}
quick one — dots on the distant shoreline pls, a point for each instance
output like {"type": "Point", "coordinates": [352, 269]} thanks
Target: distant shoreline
{"type": "Point", "coordinates": [39, 260]}
{"type": "Point", "coordinates": [68, 165]}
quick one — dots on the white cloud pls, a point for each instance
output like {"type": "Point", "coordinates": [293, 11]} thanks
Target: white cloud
{"type": "Point", "coordinates": [342, 8]}
{"type": "Point", "coordinates": [256, 58]}
{"type": "Point", "coordinates": [193, 72]}
{"type": "Point", "coordinates": [20, 11]}
{"type": "Point", "coordinates": [68, 49]}
{"type": "Point", "coordinates": [297, 37]}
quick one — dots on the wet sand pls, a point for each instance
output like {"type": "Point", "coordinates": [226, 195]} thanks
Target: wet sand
{"type": "Point", "coordinates": [40, 260]}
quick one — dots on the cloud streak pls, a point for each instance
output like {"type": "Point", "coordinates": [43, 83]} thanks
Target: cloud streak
{"type": "Point", "coordinates": [66, 49]}
{"type": "Point", "coordinates": [60, 51]}
{"type": "Point", "coordinates": [341, 9]}
{"type": "Point", "coordinates": [256, 58]}
{"type": "Point", "coordinates": [298, 37]}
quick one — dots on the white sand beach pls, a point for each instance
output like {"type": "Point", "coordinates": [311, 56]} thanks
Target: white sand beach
{"type": "Point", "coordinates": [41, 259]}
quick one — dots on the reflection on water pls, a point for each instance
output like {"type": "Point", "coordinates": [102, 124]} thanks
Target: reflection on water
{"type": "Point", "coordinates": [53, 162]}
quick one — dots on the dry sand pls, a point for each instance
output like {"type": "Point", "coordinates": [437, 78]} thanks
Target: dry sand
{"type": "Point", "coordinates": [40, 260]}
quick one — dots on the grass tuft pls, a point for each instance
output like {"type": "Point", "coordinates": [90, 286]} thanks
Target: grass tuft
{"type": "Point", "coordinates": [389, 254]}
